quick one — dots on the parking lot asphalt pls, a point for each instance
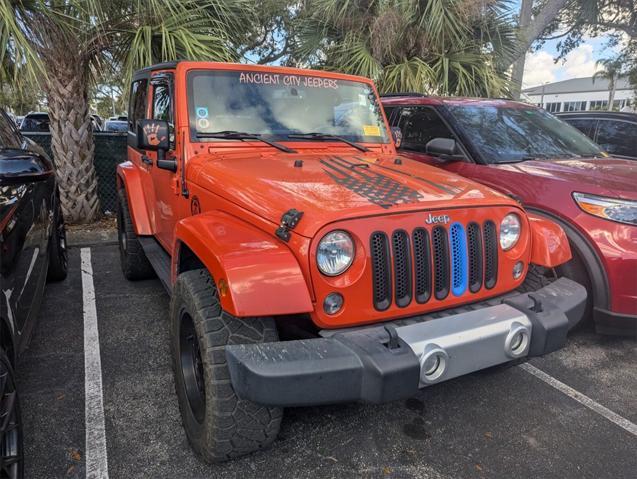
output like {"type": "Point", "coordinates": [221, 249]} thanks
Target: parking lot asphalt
{"type": "Point", "coordinates": [495, 423]}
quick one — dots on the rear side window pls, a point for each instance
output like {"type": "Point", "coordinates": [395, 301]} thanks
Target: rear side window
{"type": "Point", "coordinates": [137, 107]}
{"type": "Point", "coordinates": [618, 137]}
{"type": "Point", "coordinates": [419, 125]}
{"type": "Point", "coordinates": [585, 125]}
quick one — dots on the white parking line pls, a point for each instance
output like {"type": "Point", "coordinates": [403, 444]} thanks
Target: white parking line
{"type": "Point", "coordinates": [95, 455]}
{"type": "Point", "coordinates": [582, 399]}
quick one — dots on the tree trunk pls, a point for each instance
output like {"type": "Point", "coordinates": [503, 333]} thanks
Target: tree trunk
{"type": "Point", "coordinates": [72, 138]}
{"type": "Point", "coordinates": [517, 75]}
{"type": "Point", "coordinates": [611, 94]}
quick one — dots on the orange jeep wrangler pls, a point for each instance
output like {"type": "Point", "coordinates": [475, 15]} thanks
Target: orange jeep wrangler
{"type": "Point", "coordinates": [310, 264]}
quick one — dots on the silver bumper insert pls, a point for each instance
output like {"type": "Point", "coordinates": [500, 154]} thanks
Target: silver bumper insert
{"type": "Point", "coordinates": [460, 344]}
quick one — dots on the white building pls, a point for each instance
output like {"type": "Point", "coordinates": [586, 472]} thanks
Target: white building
{"type": "Point", "coordinates": [580, 94]}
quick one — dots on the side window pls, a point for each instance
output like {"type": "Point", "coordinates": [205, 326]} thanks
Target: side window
{"type": "Point", "coordinates": [161, 102]}
{"type": "Point", "coordinates": [389, 111]}
{"type": "Point", "coordinates": [137, 106]}
{"type": "Point", "coordinates": [420, 125]}
{"type": "Point", "coordinates": [617, 137]}
{"type": "Point", "coordinates": [9, 138]}
{"type": "Point", "coordinates": [585, 125]}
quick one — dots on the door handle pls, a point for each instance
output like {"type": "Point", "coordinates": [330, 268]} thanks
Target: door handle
{"type": "Point", "coordinates": [147, 160]}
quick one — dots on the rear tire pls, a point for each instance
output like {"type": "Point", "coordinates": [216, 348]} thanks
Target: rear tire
{"type": "Point", "coordinates": [11, 441]}
{"type": "Point", "coordinates": [58, 254]}
{"type": "Point", "coordinates": [218, 424]}
{"type": "Point", "coordinates": [135, 264]}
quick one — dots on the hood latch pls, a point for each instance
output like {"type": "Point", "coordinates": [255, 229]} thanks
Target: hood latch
{"type": "Point", "coordinates": [289, 220]}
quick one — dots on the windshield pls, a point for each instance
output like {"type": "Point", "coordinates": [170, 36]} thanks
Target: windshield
{"type": "Point", "coordinates": [278, 104]}
{"type": "Point", "coordinates": [511, 134]}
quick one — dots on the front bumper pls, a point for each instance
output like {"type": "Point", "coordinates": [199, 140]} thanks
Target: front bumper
{"type": "Point", "coordinates": [382, 363]}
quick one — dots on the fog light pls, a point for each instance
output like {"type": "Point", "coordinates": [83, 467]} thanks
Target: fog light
{"type": "Point", "coordinates": [333, 303]}
{"type": "Point", "coordinates": [517, 341]}
{"type": "Point", "coordinates": [518, 269]}
{"type": "Point", "coordinates": [433, 363]}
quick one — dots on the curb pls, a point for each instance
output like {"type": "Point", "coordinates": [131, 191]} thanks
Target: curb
{"type": "Point", "coordinates": [76, 239]}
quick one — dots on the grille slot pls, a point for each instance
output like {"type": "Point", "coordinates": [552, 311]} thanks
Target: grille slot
{"type": "Point", "coordinates": [422, 264]}
{"type": "Point", "coordinates": [381, 270]}
{"type": "Point", "coordinates": [402, 268]}
{"type": "Point", "coordinates": [490, 254]}
{"type": "Point", "coordinates": [441, 262]}
{"type": "Point", "coordinates": [458, 240]}
{"type": "Point", "coordinates": [474, 246]}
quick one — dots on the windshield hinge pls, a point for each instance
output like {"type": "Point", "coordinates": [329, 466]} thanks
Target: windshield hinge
{"type": "Point", "coordinates": [289, 220]}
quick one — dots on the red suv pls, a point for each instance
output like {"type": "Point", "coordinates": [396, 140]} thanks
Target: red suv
{"type": "Point", "coordinates": [553, 170]}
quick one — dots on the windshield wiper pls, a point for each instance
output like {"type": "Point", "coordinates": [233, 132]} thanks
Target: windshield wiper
{"type": "Point", "coordinates": [239, 135]}
{"type": "Point", "coordinates": [326, 137]}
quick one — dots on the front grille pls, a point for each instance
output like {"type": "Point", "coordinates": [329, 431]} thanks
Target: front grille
{"type": "Point", "coordinates": [402, 268]}
{"type": "Point", "coordinates": [457, 260]}
{"type": "Point", "coordinates": [381, 271]}
{"type": "Point", "coordinates": [441, 262]}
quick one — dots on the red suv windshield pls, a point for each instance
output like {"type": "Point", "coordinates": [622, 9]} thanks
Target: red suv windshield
{"type": "Point", "coordinates": [511, 134]}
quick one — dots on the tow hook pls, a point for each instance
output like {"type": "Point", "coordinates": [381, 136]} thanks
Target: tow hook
{"type": "Point", "coordinates": [289, 220]}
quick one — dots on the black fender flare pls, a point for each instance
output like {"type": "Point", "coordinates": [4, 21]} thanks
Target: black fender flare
{"type": "Point", "coordinates": [592, 262]}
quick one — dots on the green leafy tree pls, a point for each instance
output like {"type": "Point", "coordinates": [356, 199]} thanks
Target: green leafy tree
{"type": "Point", "coordinates": [63, 45]}
{"type": "Point", "coordinates": [612, 69]}
{"type": "Point", "coordinates": [449, 47]}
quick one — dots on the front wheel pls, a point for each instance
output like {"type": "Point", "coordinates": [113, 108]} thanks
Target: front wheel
{"type": "Point", "coordinates": [11, 445]}
{"type": "Point", "coordinates": [218, 424]}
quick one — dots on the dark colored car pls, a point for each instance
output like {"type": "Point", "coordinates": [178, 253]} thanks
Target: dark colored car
{"type": "Point", "coordinates": [35, 122]}
{"type": "Point", "coordinates": [615, 132]}
{"type": "Point", "coordinates": [116, 126]}
{"type": "Point", "coordinates": [32, 250]}
{"type": "Point", "coordinates": [554, 171]}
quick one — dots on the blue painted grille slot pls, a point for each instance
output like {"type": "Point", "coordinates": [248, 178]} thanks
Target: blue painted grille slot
{"type": "Point", "coordinates": [459, 263]}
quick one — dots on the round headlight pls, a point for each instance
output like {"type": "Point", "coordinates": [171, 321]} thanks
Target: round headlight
{"type": "Point", "coordinates": [335, 253]}
{"type": "Point", "coordinates": [509, 231]}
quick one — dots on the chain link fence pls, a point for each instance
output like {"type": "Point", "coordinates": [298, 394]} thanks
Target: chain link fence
{"type": "Point", "coordinates": [110, 150]}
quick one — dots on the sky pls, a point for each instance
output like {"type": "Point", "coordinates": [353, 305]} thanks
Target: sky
{"type": "Point", "coordinates": [541, 68]}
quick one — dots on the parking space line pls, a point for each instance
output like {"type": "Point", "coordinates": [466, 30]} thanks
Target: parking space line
{"type": "Point", "coordinates": [95, 454]}
{"type": "Point", "coordinates": [582, 399]}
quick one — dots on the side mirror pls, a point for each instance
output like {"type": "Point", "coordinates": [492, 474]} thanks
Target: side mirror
{"type": "Point", "coordinates": [22, 167]}
{"type": "Point", "coordinates": [397, 135]}
{"type": "Point", "coordinates": [154, 135]}
{"type": "Point", "coordinates": [443, 147]}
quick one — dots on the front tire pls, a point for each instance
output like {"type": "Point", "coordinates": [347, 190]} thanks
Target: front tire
{"type": "Point", "coordinates": [218, 424]}
{"type": "Point", "coordinates": [58, 254]}
{"type": "Point", "coordinates": [135, 264]}
{"type": "Point", "coordinates": [11, 442]}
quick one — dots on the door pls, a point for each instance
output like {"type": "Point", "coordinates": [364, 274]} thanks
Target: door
{"type": "Point", "coordinates": [165, 182]}
{"type": "Point", "coordinates": [138, 110]}
{"type": "Point", "coordinates": [27, 184]}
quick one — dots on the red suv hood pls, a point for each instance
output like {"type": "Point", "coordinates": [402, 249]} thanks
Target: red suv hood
{"type": "Point", "coordinates": [333, 187]}
{"type": "Point", "coordinates": [611, 177]}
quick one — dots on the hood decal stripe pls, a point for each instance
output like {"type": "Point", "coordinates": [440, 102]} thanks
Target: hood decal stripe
{"type": "Point", "coordinates": [376, 188]}
{"type": "Point", "coordinates": [446, 188]}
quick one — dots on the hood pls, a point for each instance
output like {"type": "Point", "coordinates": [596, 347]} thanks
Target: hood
{"type": "Point", "coordinates": [612, 177]}
{"type": "Point", "coordinates": [332, 187]}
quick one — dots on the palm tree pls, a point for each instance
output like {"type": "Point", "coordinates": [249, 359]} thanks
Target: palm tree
{"type": "Point", "coordinates": [61, 46]}
{"type": "Point", "coordinates": [612, 69]}
{"type": "Point", "coordinates": [447, 47]}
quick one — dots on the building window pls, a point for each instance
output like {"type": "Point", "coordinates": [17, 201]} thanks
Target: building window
{"type": "Point", "coordinates": [553, 107]}
{"type": "Point", "coordinates": [618, 104]}
{"type": "Point", "coordinates": [598, 105]}
{"type": "Point", "coordinates": [574, 106]}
